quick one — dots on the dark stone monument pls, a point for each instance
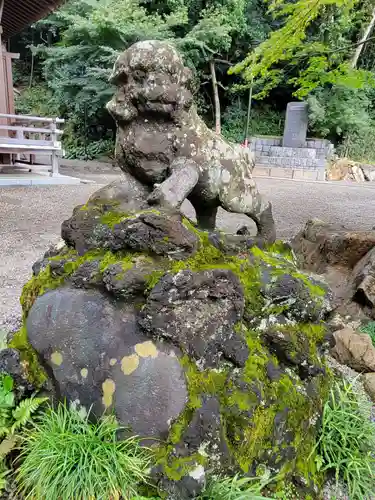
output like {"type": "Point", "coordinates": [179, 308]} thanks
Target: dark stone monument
{"type": "Point", "coordinates": [296, 122]}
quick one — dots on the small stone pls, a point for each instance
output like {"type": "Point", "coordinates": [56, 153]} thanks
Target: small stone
{"type": "Point", "coordinates": [354, 350]}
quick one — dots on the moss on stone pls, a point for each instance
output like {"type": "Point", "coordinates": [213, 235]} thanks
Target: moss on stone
{"type": "Point", "coordinates": [29, 358]}
{"type": "Point", "coordinates": [47, 280]}
{"type": "Point", "coordinates": [38, 285]}
{"type": "Point", "coordinates": [249, 400]}
{"type": "Point", "coordinates": [112, 217]}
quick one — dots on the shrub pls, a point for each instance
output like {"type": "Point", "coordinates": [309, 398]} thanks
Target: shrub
{"type": "Point", "coordinates": [347, 441]}
{"type": "Point", "coordinates": [65, 457]}
{"type": "Point", "coordinates": [263, 121]}
{"type": "Point", "coordinates": [91, 151]}
{"type": "Point", "coordinates": [36, 101]}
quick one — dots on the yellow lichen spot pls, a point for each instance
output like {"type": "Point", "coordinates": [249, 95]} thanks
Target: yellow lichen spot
{"type": "Point", "coordinates": [112, 361]}
{"type": "Point", "coordinates": [84, 372]}
{"type": "Point", "coordinates": [129, 364]}
{"type": "Point", "coordinates": [146, 350]}
{"type": "Point", "coordinates": [57, 358]}
{"type": "Point", "coordinates": [109, 388]}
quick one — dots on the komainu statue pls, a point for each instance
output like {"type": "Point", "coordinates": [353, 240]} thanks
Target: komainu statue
{"type": "Point", "coordinates": [163, 143]}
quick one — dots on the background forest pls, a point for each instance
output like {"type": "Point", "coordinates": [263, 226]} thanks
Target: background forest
{"type": "Point", "coordinates": [318, 50]}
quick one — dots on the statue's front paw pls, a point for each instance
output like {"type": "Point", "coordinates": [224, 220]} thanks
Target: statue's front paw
{"type": "Point", "coordinates": [156, 197]}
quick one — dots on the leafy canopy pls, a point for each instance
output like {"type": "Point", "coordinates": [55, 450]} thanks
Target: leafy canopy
{"type": "Point", "coordinates": [291, 55]}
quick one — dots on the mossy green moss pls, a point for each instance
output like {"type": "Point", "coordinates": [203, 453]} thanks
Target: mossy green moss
{"type": "Point", "coordinates": [113, 217]}
{"type": "Point", "coordinates": [48, 280]}
{"type": "Point", "coordinates": [29, 358]}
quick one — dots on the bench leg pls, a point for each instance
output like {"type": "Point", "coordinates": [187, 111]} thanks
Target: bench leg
{"type": "Point", "coordinates": [55, 164]}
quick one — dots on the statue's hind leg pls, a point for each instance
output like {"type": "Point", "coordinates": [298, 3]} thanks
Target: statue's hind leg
{"type": "Point", "coordinates": [206, 215]}
{"type": "Point", "coordinates": [246, 199]}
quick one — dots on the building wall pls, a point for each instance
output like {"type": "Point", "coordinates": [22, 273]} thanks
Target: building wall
{"type": "Point", "coordinates": [6, 82]}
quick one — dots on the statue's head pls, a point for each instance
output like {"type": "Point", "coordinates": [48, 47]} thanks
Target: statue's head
{"type": "Point", "coordinates": [152, 80]}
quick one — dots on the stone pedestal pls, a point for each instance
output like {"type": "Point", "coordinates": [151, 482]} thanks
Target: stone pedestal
{"type": "Point", "coordinates": [296, 121]}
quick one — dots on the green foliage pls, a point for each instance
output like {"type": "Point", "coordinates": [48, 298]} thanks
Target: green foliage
{"type": "Point", "coordinates": [12, 416]}
{"type": "Point", "coordinates": [347, 441]}
{"type": "Point", "coordinates": [339, 111]}
{"type": "Point", "coordinates": [234, 488]}
{"type": "Point", "coordinates": [263, 121]}
{"type": "Point", "coordinates": [370, 330]}
{"type": "Point", "coordinates": [36, 101]}
{"type": "Point", "coordinates": [103, 147]}
{"type": "Point", "coordinates": [64, 456]}
{"type": "Point", "coordinates": [293, 56]}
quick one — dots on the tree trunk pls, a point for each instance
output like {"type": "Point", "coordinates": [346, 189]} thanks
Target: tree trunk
{"type": "Point", "coordinates": [362, 41]}
{"type": "Point", "coordinates": [216, 98]}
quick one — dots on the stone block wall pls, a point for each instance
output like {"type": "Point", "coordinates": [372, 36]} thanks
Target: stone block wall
{"type": "Point", "coordinates": [270, 154]}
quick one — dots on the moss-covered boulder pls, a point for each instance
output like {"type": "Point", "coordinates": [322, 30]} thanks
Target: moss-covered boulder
{"type": "Point", "coordinates": [217, 355]}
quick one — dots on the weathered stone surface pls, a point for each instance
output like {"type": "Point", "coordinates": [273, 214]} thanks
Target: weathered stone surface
{"type": "Point", "coordinates": [88, 275]}
{"type": "Point", "coordinates": [10, 363]}
{"type": "Point", "coordinates": [53, 250]}
{"type": "Point", "coordinates": [363, 280]}
{"type": "Point", "coordinates": [124, 195]}
{"type": "Point", "coordinates": [198, 312]}
{"type": "Point", "coordinates": [369, 384]}
{"type": "Point", "coordinates": [84, 230]}
{"type": "Point", "coordinates": [297, 297]}
{"type": "Point", "coordinates": [99, 358]}
{"type": "Point", "coordinates": [186, 350]}
{"type": "Point", "coordinates": [154, 233]}
{"type": "Point", "coordinates": [125, 283]}
{"type": "Point", "coordinates": [161, 140]}
{"type": "Point", "coordinates": [354, 349]}
{"type": "Point", "coordinates": [319, 245]}
{"type": "Point", "coordinates": [296, 122]}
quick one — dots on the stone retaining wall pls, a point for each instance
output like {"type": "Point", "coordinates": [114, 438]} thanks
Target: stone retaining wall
{"type": "Point", "coordinates": [270, 155]}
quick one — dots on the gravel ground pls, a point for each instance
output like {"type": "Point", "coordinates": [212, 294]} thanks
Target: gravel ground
{"type": "Point", "coordinates": [31, 217]}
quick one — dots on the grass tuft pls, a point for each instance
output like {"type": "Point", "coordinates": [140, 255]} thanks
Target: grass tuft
{"type": "Point", "coordinates": [370, 330]}
{"type": "Point", "coordinates": [347, 441]}
{"type": "Point", "coordinates": [65, 457]}
{"type": "Point", "coordinates": [234, 488]}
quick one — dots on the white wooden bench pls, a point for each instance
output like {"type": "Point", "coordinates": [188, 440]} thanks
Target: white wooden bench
{"type": "Point", "coordinates": [22, 138]}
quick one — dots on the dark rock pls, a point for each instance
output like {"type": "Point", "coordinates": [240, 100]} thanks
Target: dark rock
{"type": "Point", "coordinates": [232, 244]}
{"type": "Point", "coordinates": [296, 297]}
{"type": "Point", "coordinates": [125, 283]}
{"type": "Point", "coordinates": [84, 230]}
{"type": "Point", "coordinates": [154, 233]}
{"type": "Point", "coordinates": [274, 373]}
{"type": "Point", "coordinates": [293, 349]}
{"type": "Point", "coordinates": [57, 267]}
{"type": "Point", "coordinates": [185, 488]}
{"type": "Point", "coordinates": [88, 275]}
{"type": "Point", "coordinates": [53, 251]}
{"type": "Point", "coordinates": [10, 363]}
{"type": "Point", "coordinates": [198, 312]}
{"type": "Point", "coordinates": [205, 428]}
{"type": "Point", "coordinates": [97, 357]}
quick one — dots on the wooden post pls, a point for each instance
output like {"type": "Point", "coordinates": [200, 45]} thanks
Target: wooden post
{"type": "Point", "coordinates": [55, 160]}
